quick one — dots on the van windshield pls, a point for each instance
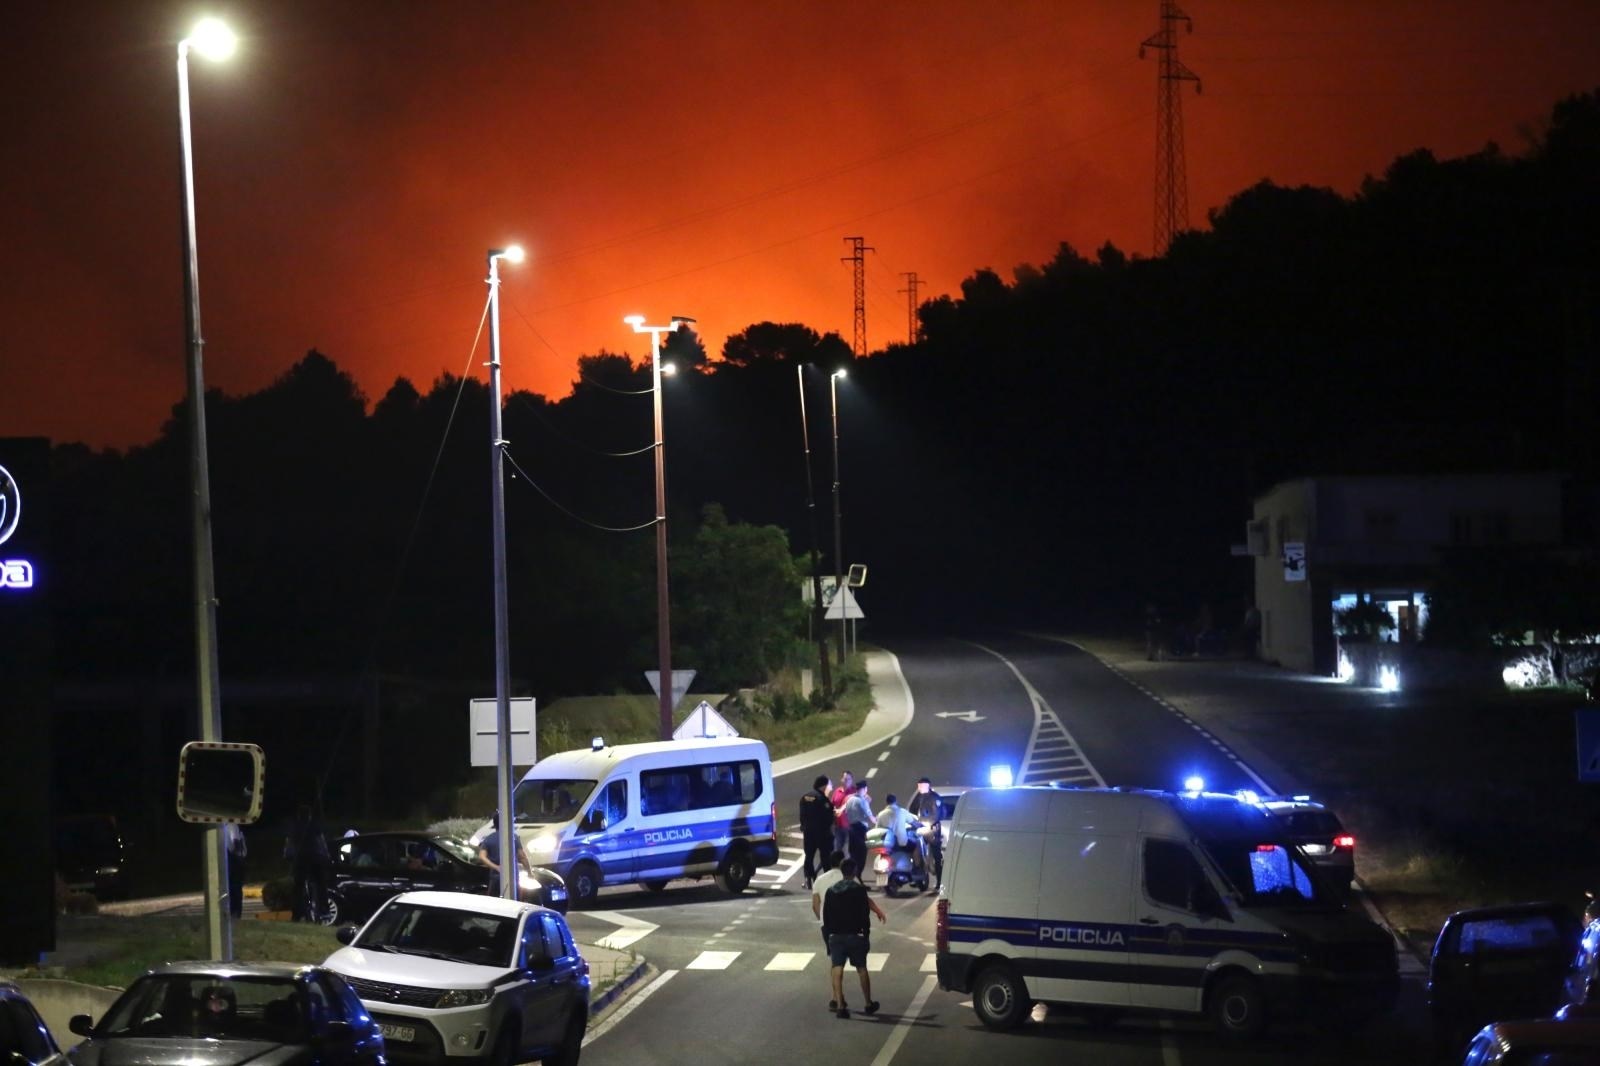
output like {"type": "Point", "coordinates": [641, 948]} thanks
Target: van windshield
{"type": "Point", "coordinates": [544, 800]}
{"type": "Point", "coordinates": [1265, 874]}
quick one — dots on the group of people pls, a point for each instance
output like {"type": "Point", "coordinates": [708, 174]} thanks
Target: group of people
{"type": "Point", "coordinates": [835, 819]}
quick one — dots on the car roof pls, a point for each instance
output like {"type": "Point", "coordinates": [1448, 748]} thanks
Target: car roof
{"type": "Point", "coordinates": [213, 968]}
{"type": "Point", "coordinates": [463, 901]}
{"type": "Point", "coordinates": [1513, 910]}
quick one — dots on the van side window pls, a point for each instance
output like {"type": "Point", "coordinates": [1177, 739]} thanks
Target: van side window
{"type": "Point", "coordinates": [693, 788]}
{"type": "Point", "coordinates": [1171, 874]}
{"type": "Point", "coordinates": [609, 809]}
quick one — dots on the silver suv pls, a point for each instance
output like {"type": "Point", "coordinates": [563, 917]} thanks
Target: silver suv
{"type": "Point", "coordinates": [453, 976]}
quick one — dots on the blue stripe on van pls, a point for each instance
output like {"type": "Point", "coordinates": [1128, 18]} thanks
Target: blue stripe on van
{"type": "Point", "coordinates": [1173, 940]}
{"type": "Point", "coordinates": [668, 844]}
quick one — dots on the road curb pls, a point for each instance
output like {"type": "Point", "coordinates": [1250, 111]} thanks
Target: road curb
{"type": "Point", "coordinates": [892, 712]}
{"type": "Point", "coordinates": [610, 997]}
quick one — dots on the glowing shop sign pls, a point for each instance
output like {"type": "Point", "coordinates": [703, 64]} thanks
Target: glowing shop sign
{"type": "Point", "coordinates": [14, 573]}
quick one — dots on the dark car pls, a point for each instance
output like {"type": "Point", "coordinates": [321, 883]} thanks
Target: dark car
{"type": "Point", "coordinates": [372, 868]}
{"type": "Point", "coordinates": [1491, 964]}
{"type": "Point", "coordinates": [226, 1014]}
{"type": "Point", "coordinates": [24, 1038]}
{"type": "Point", "coordinates": [1550, 1042]}
{"type": "Point", "coordinates": [1320, 836]}
{"type": "Point", "coordinates": [89, 854]}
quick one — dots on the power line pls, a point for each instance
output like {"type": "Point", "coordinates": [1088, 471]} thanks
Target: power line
{"type": "Point", "coordinates": [558, 505]}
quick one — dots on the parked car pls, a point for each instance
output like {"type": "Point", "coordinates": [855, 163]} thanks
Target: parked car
{"type": "Point", "coordinates": [89, 854]}
{"type": "Point", "coordinates": [451, 976]}
{"type": "Point", "coordinates": [1319, 834]}
{"type": "Point", "coordinates": [217, 1013]}
{"type": "Point", "coordinates": [1551, 1042]}
{"type": "Point", "coordinates": [372, 868]}
{"type": "Point", "coordinates": [24, 1038]}
{"type": "Point", "coordinates": [1492, 964]}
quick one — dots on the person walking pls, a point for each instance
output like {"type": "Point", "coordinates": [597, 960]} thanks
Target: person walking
{"type": "Point", "coordinates": [816, 827]}
{"type": "Point", "coordinates": [859, 817]}
{"type": "Point", "coordinates": [307, 852]}
{"type": "Point", "coordinates": [238, 853]}
{"type": "Point", "coordinates": [842, 792]}
{"type": "Point", "coordinates": [928, 808]}
{"type": "Point", "coordinates": [845, 911]}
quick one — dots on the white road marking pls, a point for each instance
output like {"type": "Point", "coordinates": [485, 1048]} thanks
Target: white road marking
{"type": "Point", "coordinates": [903, 1026]}
{"type": "Point", "coordinates": [632, 929]}
{"type": "Point", "coordinates": [930, 963]}
{"type": "Point", "coordinates": [876, 961]}
{"type": "Point", "coordinates": [871, 772]}
{"type": "Point", "coordinates": [1046, 723]}
{"type": "Point", "coordinates": [882, 757]}
{"type": "Point", "coordinates": [713, 960]}
{"type": "Point", "coordinates": [1169, 1044]}
{"type": "Point", "coordinates": [627, 1008]}
{"type": "Point", "coordinates": [894, 741]}
{"type": "Point", "coordinates": [790, 961]}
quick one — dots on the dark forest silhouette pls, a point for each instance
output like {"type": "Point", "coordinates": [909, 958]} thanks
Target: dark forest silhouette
{"type": "Point", "coordinates": [1061, 447]}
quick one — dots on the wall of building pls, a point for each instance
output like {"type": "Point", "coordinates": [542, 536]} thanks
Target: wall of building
{"type": "Point", "coordinates": [1288, 514]}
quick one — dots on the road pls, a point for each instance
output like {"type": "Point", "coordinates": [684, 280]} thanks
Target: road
{"type": "Point", "coordinates": [745, 980]}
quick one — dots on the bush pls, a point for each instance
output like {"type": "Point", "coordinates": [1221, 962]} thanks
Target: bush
{"type": "Point", "coordinates": [278, 894]}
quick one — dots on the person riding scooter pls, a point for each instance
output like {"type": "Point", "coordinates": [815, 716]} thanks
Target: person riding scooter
{"type": "Point", "coordinates": [901, 834]}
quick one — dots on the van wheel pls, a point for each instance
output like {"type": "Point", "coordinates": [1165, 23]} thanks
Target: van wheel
{"type": "Point", "coordinates": [1000, 997]}
{"type": "Point", "coordinates": [656, 886]}
{"type": "Point", "coordinates": [733, 876]}
{"type": "Point", "coordinates": [583, 884]}
{"type": "Point", "coordinates": [1237, 1008]}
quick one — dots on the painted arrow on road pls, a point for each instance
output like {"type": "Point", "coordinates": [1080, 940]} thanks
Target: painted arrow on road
{"type": "Point", "coordinates": [965, 716]}
{"type": "Point", "coordinates": [632, 929]}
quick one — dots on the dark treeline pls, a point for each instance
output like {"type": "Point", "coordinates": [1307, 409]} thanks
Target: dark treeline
{"type": "Point", "coordinates": [1063, 446]}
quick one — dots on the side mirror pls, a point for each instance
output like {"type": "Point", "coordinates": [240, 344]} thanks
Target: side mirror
{"type": "Point", "coordinates": [81, 1025]}
{"type": "Point", "coordinates": [540, 962]}
{"type": "Point", "coordinates": [219, 782]}
{"type": "Point", "coordinates": [345, 934]}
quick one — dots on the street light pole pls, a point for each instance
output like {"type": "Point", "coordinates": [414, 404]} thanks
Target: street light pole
{"type": "Point", "coordinates": [505, 818]}
{"type": "Point", "coordinates": [838, 538]}
{"type": "Point", "coordinates": [663, 610]}
{"type": "Point", "coordinates": [818, 615]}
{"type": "Point", "coordinates": [214, 41]}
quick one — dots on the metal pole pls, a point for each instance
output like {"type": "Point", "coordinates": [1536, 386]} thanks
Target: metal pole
{"type": "Point", "coordinates": [838, 538]}
{"type": "Point", "coordinates": [818, 626]}
{"type": "Point", "coordinates": [506, 817]}
{"type": "Point", "coordinates": [219, 933]}
{"type": "Point", "coordinates": [663, 617]}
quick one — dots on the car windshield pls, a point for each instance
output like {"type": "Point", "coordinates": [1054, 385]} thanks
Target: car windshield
{"type": "Point", "coordinates": [459, 848]}
{"type": "Point", "coordinates": [441, 933]}
{"type": "Point", "coordinates": [1265, 874]}
{"type": "Point", "coordinates": [207, 1007]}
{"type": "Point", "coordinates": [548, 799]}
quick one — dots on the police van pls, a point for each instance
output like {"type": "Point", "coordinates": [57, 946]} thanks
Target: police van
{"type": "Point", "coordinates": [649, 813]}
{"type": "Point", "coordinates": [1118, 899]}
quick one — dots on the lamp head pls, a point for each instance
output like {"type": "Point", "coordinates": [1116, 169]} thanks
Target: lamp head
{"type": "Point", "coordinates": [682, 320]}
{"type": "Point", "coordinates": [668, 369]}
{"type": "Point", "coordinates": [841, 373]}
{"type": "Point", "coordinates": [514, 254]}
{"type": "Point", "coordinates": [212, 39]}
{"type": "Point", "coordinates": [636, 321]}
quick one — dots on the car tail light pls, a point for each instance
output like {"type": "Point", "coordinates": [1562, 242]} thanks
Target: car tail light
{"type": "Point", "coordinates": [1344, 840]}
{"type": "Point", "coordinates": [1266, 847]}
{"type": "Point", "coordinates": [941, 927]}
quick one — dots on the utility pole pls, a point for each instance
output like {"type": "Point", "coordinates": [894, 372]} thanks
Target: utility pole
{"type": "Point", "coordinates": [1172, 183]}
{"type": "Point", "coordinates": [859, 259]}
{"type": "Point", "coordinates": [818, 614]}
{"type": "Point", "coordinates": [911, 305]}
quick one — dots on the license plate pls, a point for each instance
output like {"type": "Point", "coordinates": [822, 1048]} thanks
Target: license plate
{"type": "Point", "coordinates": [403, 1033]}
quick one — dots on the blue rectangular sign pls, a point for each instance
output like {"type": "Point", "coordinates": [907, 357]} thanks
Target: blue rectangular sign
{"type": "Point", "coordinates": [1588, 723]}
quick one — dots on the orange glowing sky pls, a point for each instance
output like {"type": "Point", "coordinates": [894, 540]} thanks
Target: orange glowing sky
{"type": "Point", "coordinates": [355, 160]}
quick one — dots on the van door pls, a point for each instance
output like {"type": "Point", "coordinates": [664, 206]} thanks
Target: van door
{"type": "Point", "coordinates": [1179, 917]}
{"type": "Point", "coordinates": [1084, 911]}
{"type": "Point", "coordinates": [608, 831]}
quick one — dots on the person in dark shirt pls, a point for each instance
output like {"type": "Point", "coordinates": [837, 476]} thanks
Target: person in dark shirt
{"type": "Point", "coordinates": [489, 855]}
{"type": "Point", "coordinates": [845, 915]}
{"type": "Point", "coordinates": [816, 827]}
{"type": "Point", "coordinates": [928, 806]}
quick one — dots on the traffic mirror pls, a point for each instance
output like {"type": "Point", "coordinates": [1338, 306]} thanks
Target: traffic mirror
{"type": "Point", "coordinates": [220, 782]}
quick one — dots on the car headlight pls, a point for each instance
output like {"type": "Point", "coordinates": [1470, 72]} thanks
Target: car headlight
{"type": "Point", "coordinates": [543, 844]}
{"type": "Point", "coordinates": [527, 882]}
{"type": "Point", "coordinates": [464, 997]}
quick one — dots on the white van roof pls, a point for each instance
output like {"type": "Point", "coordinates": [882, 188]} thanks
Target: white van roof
{"type": "Point", "coordinates": [1112, 810]}
{"type": "Point", "coordinates": [587, 764]}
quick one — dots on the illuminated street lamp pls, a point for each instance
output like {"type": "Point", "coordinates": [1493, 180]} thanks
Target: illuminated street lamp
{"type": "Point", "coordinates": [838, 539]}
{"type": "Point", "coordinates": [663, 615]}
{"type": "Point", "coordinates": [510, 872]}
{"type": "Point", "coordinates": [817, 613]}
{"type": "Point", "coordinates": [213, 40]}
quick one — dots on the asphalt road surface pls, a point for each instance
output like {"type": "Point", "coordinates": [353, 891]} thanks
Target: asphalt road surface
{"type": "Point", "coordinates": [745, 979]}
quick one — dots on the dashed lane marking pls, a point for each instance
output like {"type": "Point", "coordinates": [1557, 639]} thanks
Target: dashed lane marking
{"type": "Point", "coordinates": [790, 961]}
{"type": "Point", "coordinates": [1047, 725]}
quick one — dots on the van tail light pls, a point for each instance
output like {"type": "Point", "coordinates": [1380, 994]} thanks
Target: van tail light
{"type": "Point", "coordinates": [774, 819]}
{"type": "Point", "coordinates": [1344, 840]}
{"type": "Point", "coordinates": [941, 927]}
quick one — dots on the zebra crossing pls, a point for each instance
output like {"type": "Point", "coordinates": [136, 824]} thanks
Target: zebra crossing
{"type": "Point", "coordinates": [789, 860]}
{"type": "Point", "coordinates": [1052, 755]}
{"type": "Point", "coordinates": [802, 961]}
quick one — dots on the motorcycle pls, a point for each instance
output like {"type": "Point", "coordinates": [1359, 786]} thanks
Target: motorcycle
{"type": "Point", "coordinates": [899, 867]}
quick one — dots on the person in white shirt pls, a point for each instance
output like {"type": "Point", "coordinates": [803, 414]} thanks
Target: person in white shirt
{"type": "Point", "coordinates": [819, 888]}
{"type": "Point", "coordinates": [900, 827]}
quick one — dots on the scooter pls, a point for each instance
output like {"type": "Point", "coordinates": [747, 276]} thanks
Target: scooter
{"type": "Point", "coordinates": [899, 867]}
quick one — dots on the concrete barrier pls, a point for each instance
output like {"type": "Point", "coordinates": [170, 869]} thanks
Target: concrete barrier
{"type": "Point", "coordinates": [57, 1001]}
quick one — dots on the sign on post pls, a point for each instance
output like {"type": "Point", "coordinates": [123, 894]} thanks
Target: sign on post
{"type": "Point", "coordinates": [704, 722]}
{"type": "Point", "coordinates": [485, 728]}
{"type": "Point", "coordinates": [1294, 560]}
{"type": "Point", "coordinates": [680, 684]}
{"type": "Point", "coordinates": [840, 603]}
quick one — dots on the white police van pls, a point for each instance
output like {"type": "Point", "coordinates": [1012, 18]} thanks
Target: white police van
{"type": "Point", "coordinates": [1119, 899]}
{"type": "Point", "coordinates": [649, 813]}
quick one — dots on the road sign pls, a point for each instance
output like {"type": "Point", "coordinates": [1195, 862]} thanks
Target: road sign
{"type": "Point", "coordinates": [838, 607]}
{"type": "Point", "coordinates": [1294, 560]}
{"type": "Point", "coordinates": [680, 683]}
{"type": "Point", "coordinates": [857, 575]}
{"type": "Point", "coordinates": [965, 716]}
{"type": "Point", "coordinates": [704, 721]}
{"type": "Point", "coordinates": [485, 727]}
{"type": "Point", "coordinates": [1588, 723]}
